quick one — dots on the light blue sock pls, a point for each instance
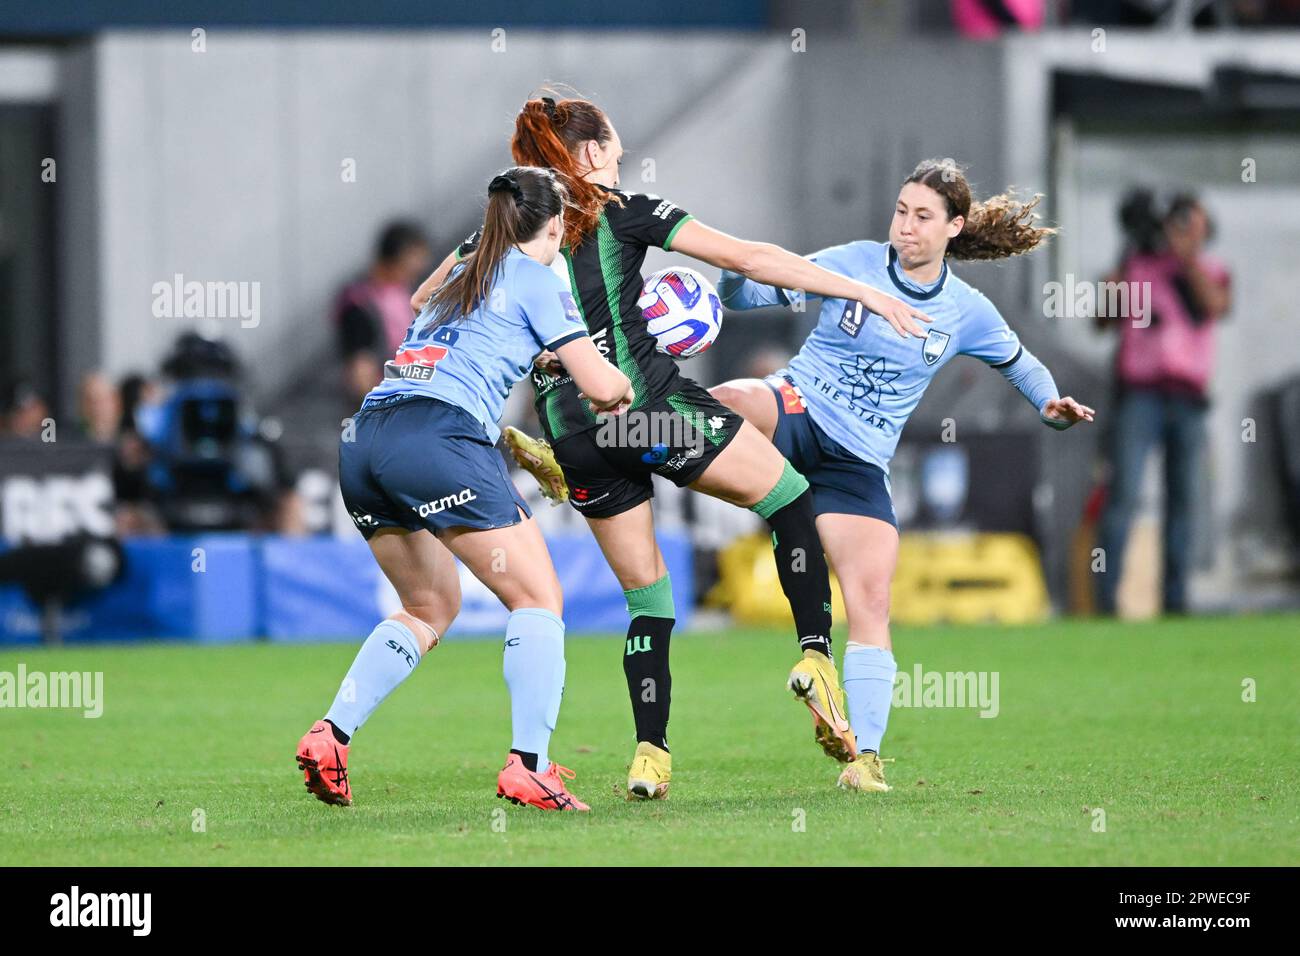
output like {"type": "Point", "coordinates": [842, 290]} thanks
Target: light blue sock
{"type": "Point", "coordinates": [869, 686]}
{"type": "Point", "coordinates": [386, 659]}
{"type": "Point", "coordinates": [534, 669]}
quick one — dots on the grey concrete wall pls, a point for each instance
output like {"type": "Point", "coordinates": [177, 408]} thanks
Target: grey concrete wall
{"type": "Point", "coordinates": [226, 165]}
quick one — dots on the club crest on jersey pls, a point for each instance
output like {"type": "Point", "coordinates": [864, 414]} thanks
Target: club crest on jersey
{"type": "Point", "coordinates": [852, 318]}
{"type": "Point", "coordinates": [936, 343]}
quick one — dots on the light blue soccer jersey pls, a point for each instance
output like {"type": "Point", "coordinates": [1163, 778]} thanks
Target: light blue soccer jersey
{"type": "Point", "coordinates": [861, 380]}
{"type": "Point", "coordinates": [474, 362]}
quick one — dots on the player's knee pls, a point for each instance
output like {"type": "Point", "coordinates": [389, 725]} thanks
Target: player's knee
{"type": "Point", "coordinates": [541, 594]}
{"type": "Point", "coordinates": [868, 603]}
{"type": "Point", "coordinates": [727, 393]}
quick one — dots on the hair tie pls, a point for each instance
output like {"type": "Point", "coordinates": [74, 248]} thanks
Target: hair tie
{"type": "Point", "coordinates": [506, 183]}
{"type": "Point", "coordinates": [549, 105]}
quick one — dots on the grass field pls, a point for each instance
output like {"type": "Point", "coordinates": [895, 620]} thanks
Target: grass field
{"type": "Point", "coordinates": [1144, 721]}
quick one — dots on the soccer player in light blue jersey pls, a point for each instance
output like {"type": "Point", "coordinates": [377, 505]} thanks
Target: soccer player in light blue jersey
{"type": "Point", "coordinates": [423, 481]}
{"type": "Point", "coordinates": [837, 411]}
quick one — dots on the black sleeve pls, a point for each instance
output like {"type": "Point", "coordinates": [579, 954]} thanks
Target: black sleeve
{"type": "Point", "coordinates": [469, 245]}
{"type": "Point", "coordinates": [358, 331]}
{"type": "Point", "coordinates": [648, 219]}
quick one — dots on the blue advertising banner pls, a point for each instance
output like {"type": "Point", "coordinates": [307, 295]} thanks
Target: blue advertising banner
{"type": "Point", "coordinates": [334, 589]}
{"type": "Point", "coordinates": [232, 587]}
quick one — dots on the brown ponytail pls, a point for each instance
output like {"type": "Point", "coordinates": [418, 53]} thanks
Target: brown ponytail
{"type": "Point", "coordinates": [548, 133]}
{"type": "Point", "coordinates": [995, 228]}
{"type": "Point", "coordinates": [521, 200]}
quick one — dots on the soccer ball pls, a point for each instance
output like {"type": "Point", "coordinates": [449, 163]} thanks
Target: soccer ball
{"type": "Point", "coordinates": [682, 311]}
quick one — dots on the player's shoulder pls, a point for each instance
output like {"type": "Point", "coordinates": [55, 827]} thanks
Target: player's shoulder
{"type": "Point", "coordinates": [530, 283]}
{"type": "Point", "coordinates": [630, 205]}
{"type": "Point", "coordinates": [970, 298]}
{"type": "Point", "coordinates": [870, 248]}
{"type": "Point", "coordinates": [525, 269]}
{"type": "Point", "coordinates": [857, 257]}
{"type": "Point", "coordinates": [977, 311]}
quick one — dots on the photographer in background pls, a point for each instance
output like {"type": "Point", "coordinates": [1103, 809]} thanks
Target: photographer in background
{"type": "Point", "coordinates": [214, 466]}
{"type": "Point", "coordinates": [1163, 366]}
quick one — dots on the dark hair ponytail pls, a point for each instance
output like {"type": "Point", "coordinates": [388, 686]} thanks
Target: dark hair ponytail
{"type": "Point", "coordinates": [995, 228]}
{"type": "Point", "coordinates": [521, 200]}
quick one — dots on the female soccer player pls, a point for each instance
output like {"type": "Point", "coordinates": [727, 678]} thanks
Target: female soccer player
{"type": "Point", "coordinates": [423, 481]}
{"type": "Point", "coordinates": [837, 411]}
{"type": "Point", "coordinates": [707, 447]}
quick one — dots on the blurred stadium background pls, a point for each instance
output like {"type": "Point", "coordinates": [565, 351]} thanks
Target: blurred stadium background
{"type": "Point", "coordinates": [172, 476]}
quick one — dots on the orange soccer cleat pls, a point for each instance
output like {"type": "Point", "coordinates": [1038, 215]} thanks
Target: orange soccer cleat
{"type": "Point", "coordinates": [324, 762]}
{"type": "Point", "coordinates": [520, 785]}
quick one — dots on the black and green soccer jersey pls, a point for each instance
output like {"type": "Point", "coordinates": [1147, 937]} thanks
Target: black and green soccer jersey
{"type": "Point", "coordinates": [605, 273]}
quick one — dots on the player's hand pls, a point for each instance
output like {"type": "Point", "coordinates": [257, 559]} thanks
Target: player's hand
{"type": "Point", "coordinates": [548, 362]}
{"type": "Point", "coordinates": [1067, 410]}
{"type": "Point", "coordinates": [616, 407]}
{"type": "Point", "coordinates": [896, 312]}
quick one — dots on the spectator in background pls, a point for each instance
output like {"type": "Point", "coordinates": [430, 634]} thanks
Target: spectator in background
{"type": "Point", "coordinates": [372, 314]}
{"type": "Point", "coordinates": [22, 411]}
{"type": "Point", "coordinates": [99, 408]}
{"type": "Point", "coordinates": [1163, 367]}
{"type": "Point", "coordinates": [136, 513]}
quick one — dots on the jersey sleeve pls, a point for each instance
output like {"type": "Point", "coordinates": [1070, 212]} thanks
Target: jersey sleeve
{"type": "Point", "coordinates": [988, 338]}
{"type": "Point", "coordinates": [650, 220]}
{"type": "Point", "coordinates": [986, 335]}
{"type": "Point", "coordinates": [737, 292]}
{"type": "Point", "coordinates": [845, 260]}
{"type": "Point", "coordinates": [548, 307]}
{"type": "Point", "coordinates": [469, 244]}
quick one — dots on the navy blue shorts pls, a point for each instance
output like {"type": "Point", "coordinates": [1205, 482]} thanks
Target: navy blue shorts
{"type": "Point", "coordinates": [842, 483]}
{"type": "Point", "coordinates": [420, 463]}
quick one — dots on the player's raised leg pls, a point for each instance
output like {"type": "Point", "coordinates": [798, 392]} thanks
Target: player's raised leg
{"type": "Point", "coordinates": [628, 542]}
{"type": "Point", "coordinates": [513, 562]}
{"type": "Point", "coordinates": [750, 472]}
{"type": "Point", "coordinates": [863, 551]}
{"type": "Point", "coordinates": [422, 572]}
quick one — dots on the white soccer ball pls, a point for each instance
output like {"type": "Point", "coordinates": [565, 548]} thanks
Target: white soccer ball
{"type": "Point", "coordinates": [682, 311]}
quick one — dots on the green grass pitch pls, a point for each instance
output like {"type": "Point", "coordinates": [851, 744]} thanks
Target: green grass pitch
{"type": "Point", "coordinates": [1145, 722]}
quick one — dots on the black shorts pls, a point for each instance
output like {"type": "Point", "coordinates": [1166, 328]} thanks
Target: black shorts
{"type": "Point", "coordinates": [608, 468]}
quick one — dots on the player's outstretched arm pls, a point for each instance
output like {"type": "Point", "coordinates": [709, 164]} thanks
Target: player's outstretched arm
{"type": "Point", "coordinates": [430, 285]}
{"type": "Point", "coordinates": [1035, 382]}
{"type": "Point", "coordinates": [769, 264]}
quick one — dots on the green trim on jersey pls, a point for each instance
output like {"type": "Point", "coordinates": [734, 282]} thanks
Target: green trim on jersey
{"type": "Point", "coordinates": [553, 411]}
{"type": "Point", "coordinates": [573, 284]}
{"type": "Point", "coordinates": [680, 222]}
{"type": "Point", "coordinates": [695, 418]}
{"type": "Point", "coordinates": [611, 270]}
{"type": "Point", "coordinates": [555, 415]}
